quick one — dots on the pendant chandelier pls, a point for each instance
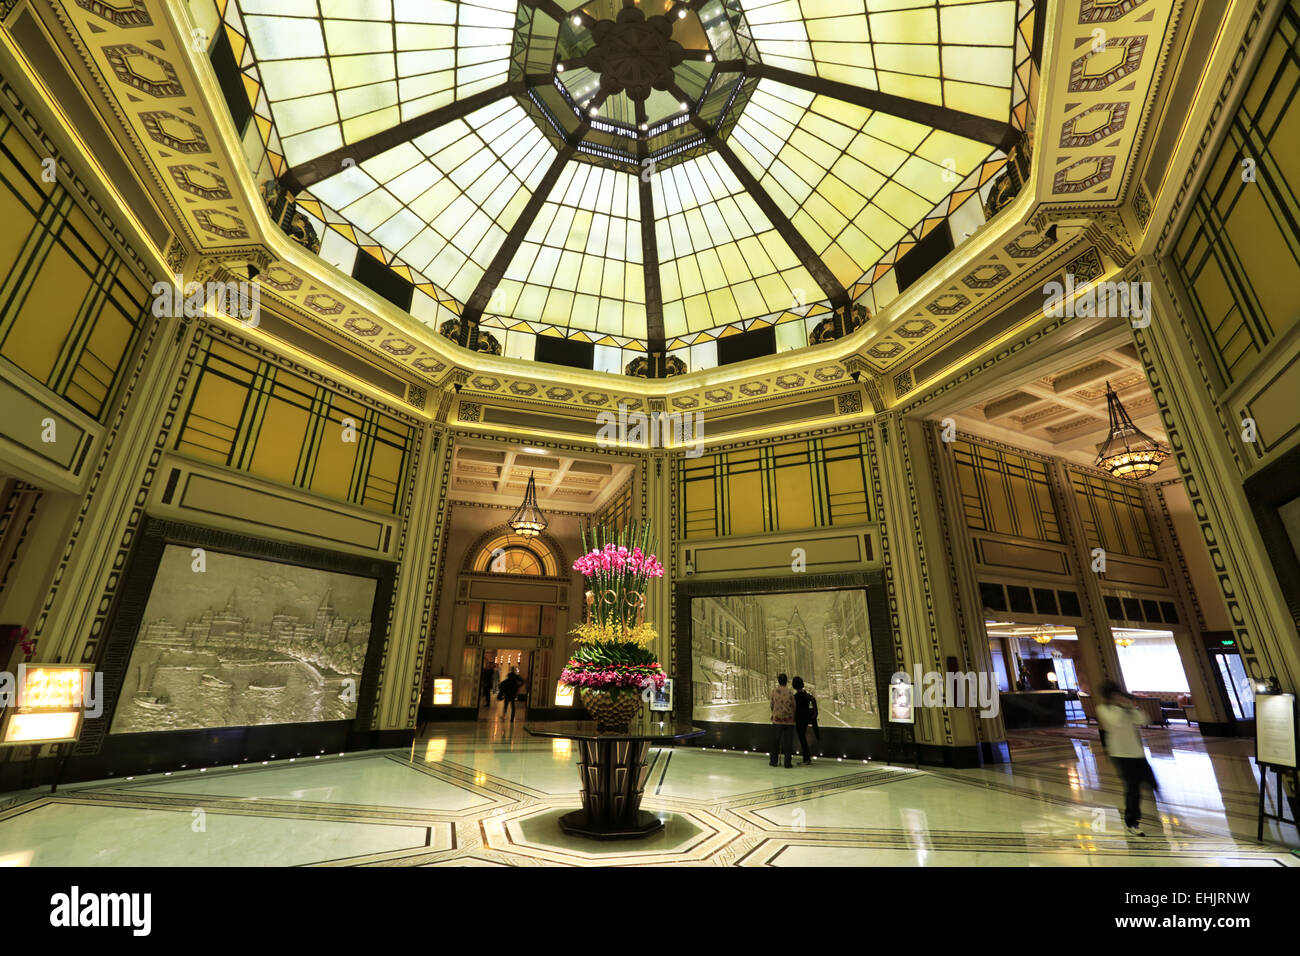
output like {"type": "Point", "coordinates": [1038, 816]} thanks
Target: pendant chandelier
{"type": "Point", "coordinates": [528, 520]}
{"type": "Point", "coordinates": [1043, 634]}
{"type": "Point", "coordinates": [1128, 452]}
{"type": "Point", "coordinates": [1123, 641]}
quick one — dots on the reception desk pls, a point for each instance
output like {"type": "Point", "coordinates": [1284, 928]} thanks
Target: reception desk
{"type": "Point", "coordinates": [1034, 708]}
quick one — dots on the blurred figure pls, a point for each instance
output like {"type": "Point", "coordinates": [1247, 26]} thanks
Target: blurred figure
{"type": "Point", "coordinates": [805, 713]}
{"type": "Point", "coordinates": [509, 689]}
{"type": "Point", "coordinates": [782, 700]}
{"type": "Point", "coordinates": [1120, 721]}
{"type": "Point", "coordinates": [485, 684]}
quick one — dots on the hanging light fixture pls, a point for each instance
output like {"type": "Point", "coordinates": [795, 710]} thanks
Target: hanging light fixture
{"type": "Point", "coordinates": [1043, 634]}
{"type": "Point", "coordinates": [1128, 452]}
{"type": "Point", "coordinates": [1123, 641]}
{"type": "Point", "coordinates": [528, 520]}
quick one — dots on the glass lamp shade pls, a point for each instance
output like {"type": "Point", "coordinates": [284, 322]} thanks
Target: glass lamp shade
{"type": "Point", "coordinates": [1128, 452]}
{"type": "Point", "coordinates": [528, 520]}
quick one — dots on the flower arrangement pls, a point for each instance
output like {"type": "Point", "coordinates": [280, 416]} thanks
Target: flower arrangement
{"type": "Point", "coordinates": [613, 660]}
{"type": "Point", "coordinates": [618, 566]}
{"type": "Point", "coordinates": [605, 676]}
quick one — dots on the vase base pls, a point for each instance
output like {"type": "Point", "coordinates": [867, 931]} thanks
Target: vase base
{"type": "Point", "coordinates": [643, 825]}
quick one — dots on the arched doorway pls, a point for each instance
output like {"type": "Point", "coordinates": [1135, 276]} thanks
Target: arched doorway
{"type": "Point", "coordinates": [516, 607]}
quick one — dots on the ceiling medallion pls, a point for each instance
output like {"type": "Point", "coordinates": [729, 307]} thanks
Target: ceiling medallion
{"type": "Point", "coordinates": [634, 54]}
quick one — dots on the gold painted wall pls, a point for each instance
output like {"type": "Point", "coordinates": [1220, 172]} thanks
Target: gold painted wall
{"type": "Point", "coordinates": [782, 486]}
{"type": "Point", "coordinates": [248, 414]}
{"type": "Point", "coordinates": [619, 509]}
{"type": "Point", "coordinates": [70, 309]}
{"type": "Point", "coordinates": [1113, 516]}
{"type": "Point", "coordinates": [1005, 493]}
{"type": "Point", "coordinates": [1239, 252]}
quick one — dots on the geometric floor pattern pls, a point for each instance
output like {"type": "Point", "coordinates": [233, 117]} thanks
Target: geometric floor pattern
{"type": "Point", "coordinates": [488, 795]}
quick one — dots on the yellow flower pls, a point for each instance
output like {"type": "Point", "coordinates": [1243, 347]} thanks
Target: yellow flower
{"type": "Point", "coordinates": [593, 632]}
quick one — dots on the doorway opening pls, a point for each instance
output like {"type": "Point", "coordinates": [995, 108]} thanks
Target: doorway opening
{"type": "Point", "coordinates": [497, 665]}
{"type": "Point", "coordinates": [1039, 673]}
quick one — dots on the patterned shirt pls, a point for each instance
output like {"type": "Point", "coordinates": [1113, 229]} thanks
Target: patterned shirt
{"type": "Point", "coordinates": [782, 704]}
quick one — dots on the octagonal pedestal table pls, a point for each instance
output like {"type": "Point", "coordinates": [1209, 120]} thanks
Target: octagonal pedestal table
{"type": "Point", "coordinates": [612, 770]}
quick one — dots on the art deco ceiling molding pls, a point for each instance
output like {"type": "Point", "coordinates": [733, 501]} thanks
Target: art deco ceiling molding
{"type": "Point", "coordinates": [1102, 117]}
{"type": "Point", "coordinates": [164, 102]}
{"type": "Point", "coordinates": [168, 101]}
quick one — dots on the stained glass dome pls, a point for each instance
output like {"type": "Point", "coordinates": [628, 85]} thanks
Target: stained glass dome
{"type": "Point", "coordinates": [637, 174]}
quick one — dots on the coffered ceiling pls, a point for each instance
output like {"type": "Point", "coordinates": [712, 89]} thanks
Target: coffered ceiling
{"type": "Point", "coordinates": [490, 474]}
{"type": "Point", "coordinates": [1064, 413]}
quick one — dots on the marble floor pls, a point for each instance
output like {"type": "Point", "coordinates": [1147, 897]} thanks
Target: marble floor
{"type": "Point", "coordinates": [487, 794]}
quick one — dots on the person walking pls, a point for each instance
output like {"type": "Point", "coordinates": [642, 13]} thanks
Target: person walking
{"type": "Point", "coordinates": [805, 713]}
{"type": "Point", "coordinates": [509, 689]}
{"type": "Point", "coordinates": [485, 684]}
{"type": "Point", "coordinates": [782, 700]}
{"type": "Point", "coordinates": [1120, 721]}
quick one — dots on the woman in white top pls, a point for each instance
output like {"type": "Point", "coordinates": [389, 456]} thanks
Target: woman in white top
{"type": "Point", "coordinates": [1120, 720]}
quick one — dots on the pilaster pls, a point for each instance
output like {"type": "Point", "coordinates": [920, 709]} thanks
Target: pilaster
{"type": "Point", "coordinates": [409, 640]}
{"type": "Point", "coordinates": [962, 580]}
{"type": "Point", "coordinates": [924, 617]}
{"type": "Point", "coordinates": [1096, 640]}
{"type": "Point", "coordinates": [1202, 443]}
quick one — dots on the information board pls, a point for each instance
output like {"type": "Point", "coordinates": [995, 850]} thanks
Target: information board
{"type": "Point", "coordinates": [1275, 721]}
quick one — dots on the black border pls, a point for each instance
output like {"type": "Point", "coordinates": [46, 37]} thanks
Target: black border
{"type": "Point", "coordinates": [100, 754]}
{"type": "Point", "coordinates": [858, 743]}
{"type": "Point", "coordinates": [1267, 491]}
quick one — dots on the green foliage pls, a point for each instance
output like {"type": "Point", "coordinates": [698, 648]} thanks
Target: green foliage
{"type": "Point", "coordinates": [620, 652]}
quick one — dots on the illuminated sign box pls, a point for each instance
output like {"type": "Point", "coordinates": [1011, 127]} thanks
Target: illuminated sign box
{"type": "Point", "coordinates": [50, 705]}
{"type": "Point", "coordinates": [900, 703]}
{"type": "Point", "coordinates": [563, 694]}
{"type": "Point", "coordinates": [442, 687]}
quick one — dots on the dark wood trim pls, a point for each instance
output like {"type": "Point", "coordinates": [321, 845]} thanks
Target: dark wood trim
{"type": "Point", "coordinates": [979, 128]}
{"type": "Point", "coordinates": [654, 299]}
{"type": "Point", "coordinates": [859, 742]}
{"type": "Point", "coordinates": [493, 274]}
{"type": "Point", "coordinates": [818, 269]}
{"type": "Point", "coordinates": [98, 752]}
{"type": "Point", "coordinates": [331, 163]}
{"type": "Point", "coordinates": [1267, 490]}
{"type": "Point", "coordinates": [550, 7]}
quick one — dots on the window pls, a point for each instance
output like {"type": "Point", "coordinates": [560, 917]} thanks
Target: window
{"type": "Point", "coordinates": [509, 553]}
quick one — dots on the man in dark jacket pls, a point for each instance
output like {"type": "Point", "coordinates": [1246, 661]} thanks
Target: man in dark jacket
{"type": "Point", "coordinates": [509, 688]}
{"type": "Point", "coordinates": [805, 713]}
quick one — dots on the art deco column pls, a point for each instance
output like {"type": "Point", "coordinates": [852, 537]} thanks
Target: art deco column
{"type": "Point", "coordinates": [924, 616]}
{"type": "Point", "coordinates": [421, 543]}
{"type": "Point", "coordinates": [962, 580]}
{"type": "Point", "coordinates": [655, 476]}
{"type": "Point", "coordinates": [74, 614]}
{"type": "Point", "coordinates": [1204, 440]}
{"type": "Point", "coordinates": [1197, 665]}
{"type": "Point", "coordinates": [1096, 640]}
